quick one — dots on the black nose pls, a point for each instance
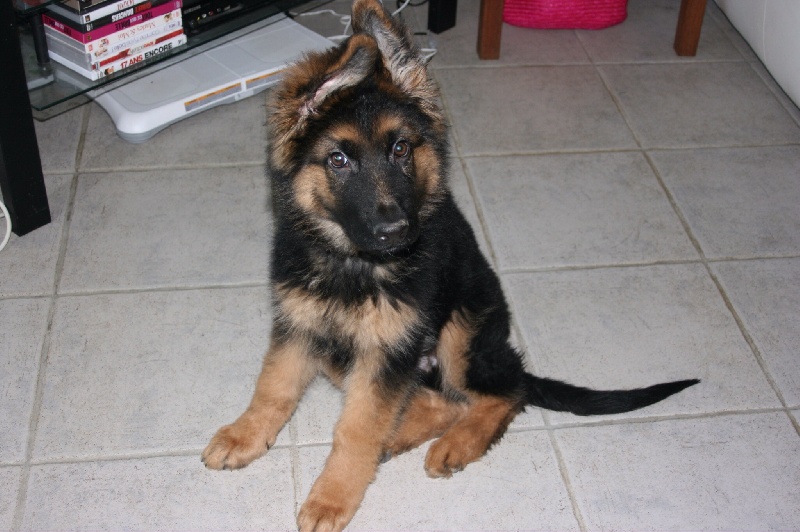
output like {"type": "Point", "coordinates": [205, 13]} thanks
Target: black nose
{"type": "Point", "coordinates": [391, 234]}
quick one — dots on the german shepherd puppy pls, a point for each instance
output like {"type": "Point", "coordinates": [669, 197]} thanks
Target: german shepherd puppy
{"type": "Point", "coordinates": [379, 284]}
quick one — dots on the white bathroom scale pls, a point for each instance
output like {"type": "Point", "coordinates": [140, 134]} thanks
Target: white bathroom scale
{"type": "Point", "coordinates": [225, 74]}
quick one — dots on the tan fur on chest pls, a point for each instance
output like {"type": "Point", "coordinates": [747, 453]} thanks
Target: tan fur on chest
{"type": "Point", "coordinates": [372, 325]}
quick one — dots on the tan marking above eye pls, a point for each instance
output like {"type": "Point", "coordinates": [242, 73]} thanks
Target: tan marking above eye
{"type": "Point", "coordinates": [387, 125]}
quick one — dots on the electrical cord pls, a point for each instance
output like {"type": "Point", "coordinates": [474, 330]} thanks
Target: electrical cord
{"type": "Point", "coordinates": [7, 217]}
{"type": "Point", "coordinates": [402, 7]}
{"type": "Point", "coordinates": [428, 53]}
{"type": "Point", "coordinates": [414, 4]}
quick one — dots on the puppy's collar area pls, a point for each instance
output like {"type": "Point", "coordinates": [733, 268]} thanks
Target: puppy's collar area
{"type": "Point", "coordinates": [360, 274]}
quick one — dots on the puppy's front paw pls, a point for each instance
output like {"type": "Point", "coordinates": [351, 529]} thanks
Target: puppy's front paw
{"type": "Point", "coordinates": [324, 515]}
{"type": "Point", "coordinates": [234, 446]}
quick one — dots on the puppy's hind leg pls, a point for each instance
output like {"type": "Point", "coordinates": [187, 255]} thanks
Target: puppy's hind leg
{"type": "Point", "coordinates": [485, 421]}
{"type": "Point", "coordinates": [428, 416]}
{"type": "Point", "coordinates": [286, 372]}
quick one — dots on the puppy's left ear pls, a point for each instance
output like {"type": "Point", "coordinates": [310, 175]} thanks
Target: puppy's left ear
{"type": "Point", "coordinates": [400, 55]}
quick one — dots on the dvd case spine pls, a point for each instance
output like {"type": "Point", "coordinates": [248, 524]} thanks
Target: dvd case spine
{"type": "Point", "coordinates": [166, 8]}
{"type": "Point", "coordinates": [81, 6]}
{"type": "Point", "coordinates": [114, 43]}
{"type": "Point", "coordinates": [123, 63]}
{"type": "Point", "coordinates": [103, 21]}
{"type": "Point", "coordinates": [94, 13]}
{"type": "Point", "coordinates": [91, 62]}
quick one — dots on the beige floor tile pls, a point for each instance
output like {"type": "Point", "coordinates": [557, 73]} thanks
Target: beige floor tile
{"type": "Point", "coordinates": [632, 327]}
{"type": "Point", "coordinates": [168, 228]}
{"type": "Point", "coordinates": [164, 493]}
{"type": "Point", "coordinates": [533, 109]}
{"type": "Point", "coordinates": [24, 323]}
{"type": "Point", "coordinates": [58, 140]}
{"type": "Point", "coordinates": [28, 264]}
{"type": "Point", "coordinates": [10, 478]}
{"type": "Point", "coordinates": [229, 134]}
{"type": "Point", "coordinates": [724, 473]}
{"type": "Point", "coordinates": [738, 202]}
{"type": "Point", "coordinates": [699, 104]}
{"type": "Point", "coordinates": [149, 372]}
{"type": "Point", "coordinates": [576, 210]}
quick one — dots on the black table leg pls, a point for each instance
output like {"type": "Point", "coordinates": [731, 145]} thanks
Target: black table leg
{"type": "Point", "coordinates": [21, 178]}
{"type": "Point", "coordinates": [39, 39]}
{"type": "Point", "coordinates": [441, 15]}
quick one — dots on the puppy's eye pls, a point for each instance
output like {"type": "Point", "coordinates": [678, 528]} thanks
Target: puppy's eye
{"type": "Point", "coordinates": [338, 160]}
{"type": "Point", "coordinates": [401, 149]}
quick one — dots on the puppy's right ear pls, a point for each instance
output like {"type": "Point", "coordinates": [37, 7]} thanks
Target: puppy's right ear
{"type": "Point", "coordinates": [314, 80]}
{"type": "Point", "coordinates": [399, 55]}
{"type": "Point", "coordinates": [356, 62]}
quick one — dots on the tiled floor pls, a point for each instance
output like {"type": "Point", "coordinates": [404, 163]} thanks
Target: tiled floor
{"type": "Point", "coordinates": [643, 211]}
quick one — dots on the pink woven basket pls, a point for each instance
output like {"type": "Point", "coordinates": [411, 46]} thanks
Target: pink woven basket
{"type": "Point", "coordinates": [565, 14]}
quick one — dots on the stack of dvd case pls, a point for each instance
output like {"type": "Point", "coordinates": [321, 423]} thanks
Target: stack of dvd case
{"type": "Point", "coordinates": [97, 38]}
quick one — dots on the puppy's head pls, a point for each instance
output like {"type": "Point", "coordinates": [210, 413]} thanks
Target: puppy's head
{"type": "Point", "coordinates": [357, 140]}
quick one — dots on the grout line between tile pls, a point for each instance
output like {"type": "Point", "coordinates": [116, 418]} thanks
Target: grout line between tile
{"type": "Point", "coordinates": [549, 426]}
{"type": "Point", "coordinates": [33, 424]}
{"type": "Point", "coordinates": [489, 65]}
{"type": "Point", "coordinates": [675, 207]}
{"type": "Point", "coordinates": [120, 169]}
{"type": "Point", "coordinates": [479, 211]}
{"type": "Point", "coordinates": [582, 267]}
{"type": "Point", "coordinates": [563, 470]}
{"type": "Point", "coordinates": [116, 457]}
{"type": "Point", "coordinates": [309, 445]}
{"type": "Point", "coordinates": [567, 481]}
{"type": "Point", "coordinates": [749, 259]}
{"type": "Point", "coordinates": [570, 151]}
{"type": "Point", "coordinates": [143, 455]}
{"type": "Point", "coordinates": [671, 62]}
{"type": "Point", "coordinates": [620, 108]}
{"type": "Point", "coordinates": [295, 464]}
{"type": "Point", "coordinates": [168, 288]}
{"type": "Point", "coordinates": [747, 337]}
{"type": "Point", "coordinates": [588, 62]}
{"type": "Point", "coordinates": [25, 296]}
{"type": "Point", "coordinates": [793, 420]}
{"type": "Point", "coordinates": [590, 151]}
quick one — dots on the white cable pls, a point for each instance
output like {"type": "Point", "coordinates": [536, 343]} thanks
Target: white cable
{"type": "Point", "coordinates": [8, 225]}
{"type": "Point", "coordinates": [402, 7]}
{"type": "Point", "coordinates": [344, 19]}
{"type": "Point", "coordinates": [427, 53]}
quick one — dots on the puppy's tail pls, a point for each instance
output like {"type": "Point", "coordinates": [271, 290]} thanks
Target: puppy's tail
{"type": "Point", "coordinates": [556, 395]}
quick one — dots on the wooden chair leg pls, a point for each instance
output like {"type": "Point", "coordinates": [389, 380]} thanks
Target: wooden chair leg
{"type": "Point", "coordinates": [690, 22]}
{"type": "Point", "coordinates": [490, 27]}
